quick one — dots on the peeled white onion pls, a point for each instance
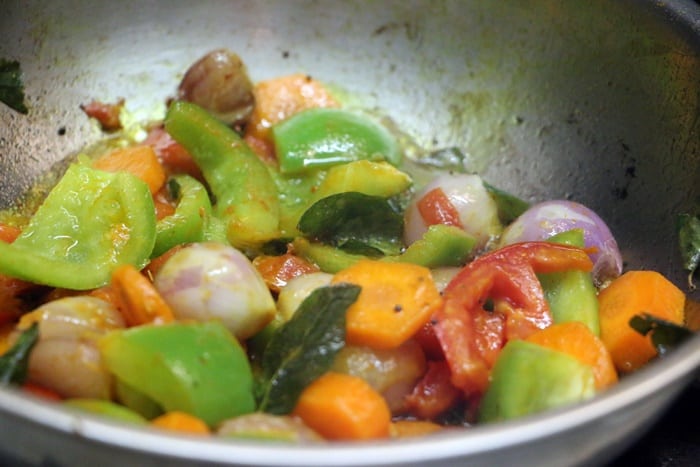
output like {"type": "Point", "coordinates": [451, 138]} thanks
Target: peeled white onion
{"type": "Point", "coordinates": [478, 212]}
{"type": "Point", "coordinates": [548, 218]}
{"type": "Point", "coordinates": [296, 291]}
{"type": "Point", "coordinates": [66, 358]}
{"type": "Point", "coordinates": [212, 281]}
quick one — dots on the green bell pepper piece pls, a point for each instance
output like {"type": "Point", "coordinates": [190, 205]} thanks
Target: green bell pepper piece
{"type": "Point", "coordinates": [245, 193]}
{"type": "Point", "coordinates": [198, 368]}
{"type": "Point", "coordinates": [571, 295]}
{"type": "Point", "coordinates": [136, 401]}
{"type": "Point", "coordinates": [90, 223]}
{"type": "Point", "coordinates": [106, 408]}
{"type": "Point", "coordinates": [189, 221]}
{"type": "Point", "coordinates": [366, 177]}
{"type": "Point", "coordinates": [441, 245]}
{"type": "Point", "coordinates": [528, 378]}
{"type": "Point", "coordinates": [322, 137]}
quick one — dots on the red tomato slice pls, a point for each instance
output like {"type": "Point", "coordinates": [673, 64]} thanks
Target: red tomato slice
{"type": "Point", "coordinates": [471, 335]}
{"type": "Point", "coordinates": [436, 208]}
{"type": "Point", "coordinates": [434, 393]}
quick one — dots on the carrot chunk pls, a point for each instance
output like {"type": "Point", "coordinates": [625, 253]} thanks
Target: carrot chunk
{"type": "Point", "coordinates": [279, 98]}
{"type": "Point", "coordinates": [140, 161]}
{"type": "Point", "coordinates": [137, 299]}
{"type": "Point", "coordinates": [636, 292]}
{"type": "Point", "coordinates": [181, 421]}
{"type": "Point", "coordinates": [396, 300]}
{"type": "Point", "coordinates": [344, 407]}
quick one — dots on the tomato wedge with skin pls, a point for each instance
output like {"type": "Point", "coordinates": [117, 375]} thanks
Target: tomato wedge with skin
{"type": "Point", "coordinates": [436, 208]}
{"type": "Point", "coordinates": [471, 336]}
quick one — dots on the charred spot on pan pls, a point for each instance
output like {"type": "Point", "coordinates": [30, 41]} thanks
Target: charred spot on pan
{"type": "Point", "coordinates": [620, 192]}
{"type": "Point", "coordinates": [61, 131]}
{"type": "Point", "coordinates": [285, 54]}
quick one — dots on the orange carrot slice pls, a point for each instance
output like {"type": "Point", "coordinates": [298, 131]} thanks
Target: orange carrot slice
{"type": "Point", "coordinates": [633, 293]}
{"type": "Point", "coordinates": [140, 161]}
{"type": "Point", "coordinates": [396, 300]}
{"type": "Point", "coordinates": [344, 407]}
{"type": "Point", "coordinates": [137, 299]}
{"type": "Point", "coordinates": [181, 421]}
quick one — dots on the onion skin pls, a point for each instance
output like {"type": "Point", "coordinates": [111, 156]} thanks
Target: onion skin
{"type": "Point", "coordinates": [548, 218]}
{"type": "Point", "coordinates": [212, 281]}
{"type": "Point", "coordinates": [478, 212]}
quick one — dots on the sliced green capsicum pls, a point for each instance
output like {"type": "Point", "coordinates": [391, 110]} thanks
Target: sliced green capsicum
{"type": "Point", "coordinates": [90, 223]}
{"type": "Point", "coordinates": [246, 195]}
{"type": "Point", "coordinates": [198, 368]}
{"type": "Point", "coordinates": [571, 295]}
{"type": "Point", "coordinates": [191, 217]}
{"type": "Point", "coordinates": [528, 378]}
{"type": "Point", "coordinates": [323, 137]}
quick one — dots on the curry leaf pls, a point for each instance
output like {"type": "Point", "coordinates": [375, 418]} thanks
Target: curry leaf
{"type": "Point", "coordinates": [15, 362]}
{"type": "Point", "coordinates": [665, 335]}
{"type": "Point", "coordinates": [355, 222]}
{"type": "Point", "coordinates": [304, 348]}
{"type": "Point", "coordinates": [11, 87]}
{"type": "Point", "coordinates": [689, 242]}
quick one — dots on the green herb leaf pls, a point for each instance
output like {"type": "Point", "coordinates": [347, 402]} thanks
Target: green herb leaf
{"type": "Point", "coordinates": [348, 220]}
{"type": "Point", "coordinates": [304, 348]}
{"type": "Point", "coordinates": [689, 242]}
{"type": "Point", "coordinates": [11, 87]}
{"type": "Point", "coordinates": [665, 335]}
{"type": "Point", "coordinates": [15, 362]}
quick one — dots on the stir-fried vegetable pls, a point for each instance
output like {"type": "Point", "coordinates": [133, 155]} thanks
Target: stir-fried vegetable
{"type": "Point", "coordinates": [267, 264]}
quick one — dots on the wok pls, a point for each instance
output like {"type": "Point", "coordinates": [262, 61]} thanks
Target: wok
{"type": "Point", "coordinates": [595, 101]}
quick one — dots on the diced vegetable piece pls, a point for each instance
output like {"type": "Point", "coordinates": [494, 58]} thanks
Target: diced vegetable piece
{"type": "Point", "coordinates": [434, 394]}
{"type": "Point", "coordinates": [396, 300]}
{"type": "Point", "coordinates": [190, 220]}
{"type": "Point", "coordinates": [246, 195]}
{"type": "Point", "coordinates": [391, 372]}
{"type": "Point", "coordinates": [460, 200]}
{"type": "Point", "coordinates": [136, 401]}
{"type": "Point", "coordinates": [205, 281]}
{"type": "Point", "coordinates": [344, 407]}
{"type": "Point", "coordinates": [219, 83]}
{"type": "Point", "coordinates": [182, 422]}
{"type": "Point", "coordinates": [363, 176]}
{"type": "Point", "coordinates": [277, 271]}
{"type": "Point", "coordinates": [198, 368]}
{"type": "Point", "coordinates": [571, 295]}
{"type": "Point", "coordinates": [279, 98]}
{"type": "Point", "coordinates": [441, 245]}
{"type": "Point", "coordinates": [323, 137]}
{"type": "Point", "coordinates": [137, 299]}
{"type": "Point", "coordinates": [293, 294]}
{"type": "Point", "coordinates": [90, 223]}
{"type": "Point", "coordinates": [106, 408]}
{"type": "Point", "coordinates": [548, 218]}
{"type": "Point", "coordinates": [140, 161]}
{"type": "Point", "coordinates": [528, 378]}
{"type": "Point", "coordinates": [575, 339]}
{"type": "Point", "coordinates": [70, 327]}
{"type": "Point", "coordinates": [471, 335]}
{"type": "Point", "coordinates": [636, 292]}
